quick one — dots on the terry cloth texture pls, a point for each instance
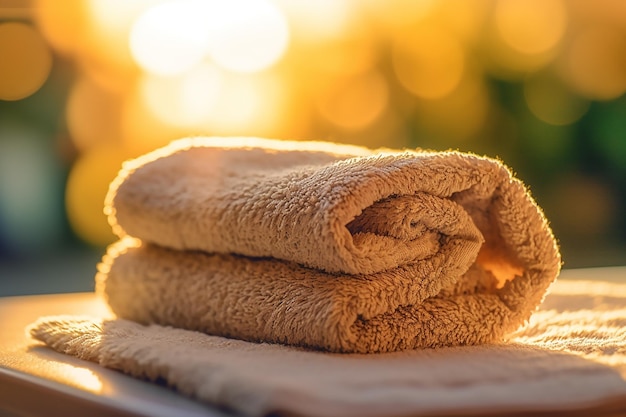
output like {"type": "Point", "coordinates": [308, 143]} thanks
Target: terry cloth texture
{"type": "Point", "coordinates": [325, 246]}
{"type": "Point", "coordinates": [570, 358]}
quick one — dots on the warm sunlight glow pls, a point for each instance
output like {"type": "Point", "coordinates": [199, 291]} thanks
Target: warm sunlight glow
{"type": "Point", "coordinates": [170, 38]}
{"type": "Point", "coordinates": [246, 35]}
{"type": "Point", "coordinates": [25, 61]}
{"type": "Point", "coordinates": [539, 82]}
{"type": "Point", "coordinates": [353, 53]}
{"type": "Point", "coordinates": [245, 142]}
{"type": "Point", "coordinates": [92, 115]}
{"type": "Point", "coordinates": [187, 100]}
{"type": "Point", "coordinates": [354, 103]}
{"type": "Point", "coordinates": [429, 62]}
{"type": "Point", "coordinates": [142, 129]}
{"type": "Point", "coordinates": [466, 19]}
{"type": "Point", "coordinates": [318, 21]}
{"type": "Point", "coordinates": [596, 66]}
{"type": "Point", "coordinates": [114, 19]}
{"type": "Point", "coordinates": [469, 102]}
{"type": "Point", "coordinates": [82, 378]}
{"type": "Point", "coordinates": [393, 14]}
{"type": "Point", "coordinates": [240, 35]}
{"type": "Point", "coordinates": [63, 26]}
{"type": "Point", "coordinates": [531, 26]}
{"type": "Point", "coordinates": [246, 105]}
{"type": "Point", "coordinates": [108, 26]}
{"type": "Point", "coordinates": [87, 186]}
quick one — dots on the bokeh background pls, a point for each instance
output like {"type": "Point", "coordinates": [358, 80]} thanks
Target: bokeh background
{"type": "Point", "coordinates": [86, 84]}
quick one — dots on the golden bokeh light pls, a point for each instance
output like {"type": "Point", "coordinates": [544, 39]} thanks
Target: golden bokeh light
{"type": "Point", "coordinates": [239, 35]}
{"type": "Point", "coordinates": [247, 106]}
{"type": "Point", "coordinates": [470, 105]}
{"type": "Point", "coordinates": [186, 100]}
{"type": "Point", "coordinates": [87, 185]}
{"type": "Point", "coordinates": [142, 130]}
{"type": "Point", "coordinates": [25, 61]}
{"type": "Point", "coordinates": [318, 21]}
{"type": "Point", "coordinates": [63, 27]}
{"type": "Point", "coordinates": [531, 26]}
{"type": "Point", "coordinates": [105, 54]}
{"type": "Point", "coordinates": [170, 38]}
{"type": "Point", "coordinates": [92, 115]}
{"type": "Point", "coordinates": [246, 35]}
{"type": "Point", "coordinates": [354, 53]}
{"type": "Point", "coordinates": [355, 102]}
{"type": "Point", "coordinates": [428, 61]}
{"type": "Point", "coordinates": [94, 33]}
{"type": "Point", "coordinates": [465, 19]}
{"type": "Point", "coordinates": [598, 12]}
{"type": "Point", "coordinates": [386, 130]}
{"type": "Point", "coordinates": [596, 63]}
{"type": "Point", "coordinates": [394, 14]}
{"type": "Point", "coordinates": [550, 101]}
{"type": "Point", "coordinates": [483, 75]}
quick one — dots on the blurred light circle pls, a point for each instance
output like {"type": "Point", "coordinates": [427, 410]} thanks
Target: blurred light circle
{"type": "Point", "coordinates": [87, 185]}
{"type": "Point", "coordinates": [353, 53]}
{"type": "Point", "coordinates": [550, 101]}
{"type": "Point", "coordinates": [386, 130]}
{"type": "Point", "coordinates": [142, 130]}
{"type": "Point", "coordinates": [240, 35]}
{"type": "Point", "coordinates": [186, 100]}
{"type": "Point", "coordinates": [25, 61]}
{"type": "Point", "coordinates": [355, 102]}
{"type": "Point", "coordinates": [105, 53]}
{"type": "Point", "coordinates": [247, 105]}
{"type": "Point", "coordinates": [63, 26]}
{"type": "Point", "coordinates": [392, 14]}
{"type": "Point", "coordinates": [459, 115]}
{"type": "Point", "coordinates": [318, 21]}
{"type": "Point", "coordinates": [92, 115]}
{"type": "Point", "coordinates": [246, 35]}
{"type": "Point", "coordinates": [531, 26]}
{"type": "Point", "coordinates": [596, 63]}
{"type": "Point", "coordinates": [428, 62]}
{"type": "Point", "coordinates": [243, 105]}
{"type": "Point", "coordinates": [170, 38]}
{"type": "Point", "coordinates": [466, 19]}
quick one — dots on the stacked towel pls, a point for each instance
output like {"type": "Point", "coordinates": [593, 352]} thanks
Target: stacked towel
{"type": "Point", "coordinates": [326, 246]}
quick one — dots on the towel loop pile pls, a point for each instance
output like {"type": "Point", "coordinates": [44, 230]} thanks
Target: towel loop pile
{"type": "Point", "coordinates": [325, 246]}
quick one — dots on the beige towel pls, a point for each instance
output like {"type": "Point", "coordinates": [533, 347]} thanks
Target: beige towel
{"type": "Point", "coordinates": [570, 358]}
{"type": "Point", "coordinates": [326, 246]}
{"type": "Point", "coordinates": [344, 249]}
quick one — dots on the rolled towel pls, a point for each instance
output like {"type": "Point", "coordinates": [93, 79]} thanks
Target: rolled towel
{"type": "Point", "coordinates": [326, 246]}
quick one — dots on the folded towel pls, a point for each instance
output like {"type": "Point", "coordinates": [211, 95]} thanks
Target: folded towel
{"type": "Point", "coordinates": [570, 358]}
{"type": "Point", "coordinates": [326, 246]}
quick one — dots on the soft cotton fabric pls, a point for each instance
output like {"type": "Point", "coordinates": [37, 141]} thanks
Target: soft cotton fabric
{"type": "Point", "coordinates": [326, 246]}
{"type": "Point", "coordinates": [570, 358]}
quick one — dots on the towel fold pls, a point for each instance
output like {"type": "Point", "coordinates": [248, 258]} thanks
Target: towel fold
{"type": "Point", "coordinates": [326, 246]}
